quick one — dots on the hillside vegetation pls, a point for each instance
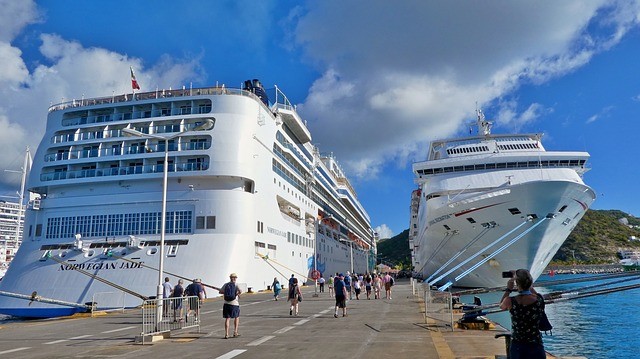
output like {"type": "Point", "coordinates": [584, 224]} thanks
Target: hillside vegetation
{"type": "Point", "coordinates": [596, 239]}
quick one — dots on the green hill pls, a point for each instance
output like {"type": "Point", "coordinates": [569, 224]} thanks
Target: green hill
{"type": "Point", "coordinates": [596, 239]}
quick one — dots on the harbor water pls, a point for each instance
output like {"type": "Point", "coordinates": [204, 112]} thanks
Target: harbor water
{"type": "Point", "coordinates": [603, 326]}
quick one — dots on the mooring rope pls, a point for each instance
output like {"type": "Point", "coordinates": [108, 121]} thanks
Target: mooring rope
{"type": "Point", "coordinates": [109, 283]}
{"type": "Point", "coordinates": [267, 259]}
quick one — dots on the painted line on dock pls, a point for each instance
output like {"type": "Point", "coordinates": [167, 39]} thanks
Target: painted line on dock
{"type": "Point", "coordinates": [283, 330]}
{"type": "Point", "coordinates": [14, 350]}
{"type": "Point", "coordinates": [300, 322]}
{"type": "Point", "coordinates": [257, 342]}
{"type": "Point", "coordinates": [232, 354]}
{"type": "Point", "coordinates": [118, 330]}
{"type": "Point", "coordinates": [81, 337]}
{"type": "Point", "coordinates": [66, 340]}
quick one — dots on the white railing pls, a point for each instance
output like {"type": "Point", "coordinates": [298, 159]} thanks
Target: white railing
{"type": "Point", "coordinates": [99, 298]}
{"type": "Point", "coordinates": [167, 314]}
{"type": "Point", "coordinates": [438, 306]}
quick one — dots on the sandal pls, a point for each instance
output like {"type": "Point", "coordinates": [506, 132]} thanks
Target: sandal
{"type": "Point", "coordinates": [235, 335]}
{"type": "Point", "coordinates": [226, 336]}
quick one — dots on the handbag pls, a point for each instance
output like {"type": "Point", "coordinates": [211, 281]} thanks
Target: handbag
{"type": "Point", "coordinates": [299, 298]}
{"type": "Point", "coordinates": [544, 325]}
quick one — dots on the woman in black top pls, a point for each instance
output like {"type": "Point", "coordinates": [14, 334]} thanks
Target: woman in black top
{"type": "Point", "coordinates": [526, 309]}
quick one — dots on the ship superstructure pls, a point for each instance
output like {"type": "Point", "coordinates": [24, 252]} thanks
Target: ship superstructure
{"type": "Point", "coordinates": [493, 203]}
{"type": "Point", "coordinates": [246, 192]}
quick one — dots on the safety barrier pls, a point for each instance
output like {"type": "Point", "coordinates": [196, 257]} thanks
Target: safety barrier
{"type": "Point", "coordinates": [438, 306]}
{"type": "Point", "coordinates": [164, 315]}
{"type": "Point", "coordinates": [107, 297]}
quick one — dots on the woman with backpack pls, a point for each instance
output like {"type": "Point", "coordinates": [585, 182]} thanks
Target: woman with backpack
{"type": "Point", "coordinates": [526, 309]}
{"type": "Point", "coordinates": [295, 296]}
{"type": "Point", "coordinates": [277, 287]}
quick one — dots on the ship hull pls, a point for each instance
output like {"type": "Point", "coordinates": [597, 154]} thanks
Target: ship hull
{"type": "Point", "coordinates": [495, 215]}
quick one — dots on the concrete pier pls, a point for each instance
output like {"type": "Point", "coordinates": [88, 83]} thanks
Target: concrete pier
{"type": "Point", "coordinates": [373, 328]}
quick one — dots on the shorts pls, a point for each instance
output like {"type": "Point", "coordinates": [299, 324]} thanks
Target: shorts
{"type": "Point", "coordinates": [387, 286]}
{"type": "Point", "coordinates": [176, 303]}
{"type": "Point", "coordinates": [357, 290]}
{"type": "Point", "coordinates": [230, 311]}
{"type": "Point", "coordinates": [341, 301]}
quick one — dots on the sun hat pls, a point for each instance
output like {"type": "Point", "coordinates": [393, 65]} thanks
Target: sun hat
{"type": "Point", "coordinates": [233, 275]}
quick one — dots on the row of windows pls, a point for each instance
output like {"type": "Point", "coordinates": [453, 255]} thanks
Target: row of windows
{"type": "Point", "coordinates": [492, 166]}
{"type": "Point", "coordinates": [111, 225]}
{"type": "Point", "coordinates": [519, 146]}
{"type": "Point", "coordinates": [459, 150]}
{"type": "Point", "coordinates": [299, 240]}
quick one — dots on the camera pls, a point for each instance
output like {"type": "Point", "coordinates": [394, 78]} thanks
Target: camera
{"type": "Point", "coordinates": [509, 274]}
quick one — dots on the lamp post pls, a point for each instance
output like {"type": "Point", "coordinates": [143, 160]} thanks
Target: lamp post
{"type": "Point", "coordinates": [206, 125]}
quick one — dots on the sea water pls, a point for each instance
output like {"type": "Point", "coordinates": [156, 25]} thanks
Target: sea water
{"type": "Point", "coordinates": [602, 326]}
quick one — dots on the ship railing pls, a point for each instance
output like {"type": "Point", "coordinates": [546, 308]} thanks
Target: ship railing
{"type": "Point", "coordinates": [217, 90]}
{"type": "Point", "coordinates": [107, 297]}
{"type": "Point", "coordinates": [438, 306]}
{"type": "Point", "coordinates": [160, 316]}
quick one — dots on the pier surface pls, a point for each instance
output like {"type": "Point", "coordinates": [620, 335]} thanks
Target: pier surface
{"type": "Point", "coordinates": [373, 328]}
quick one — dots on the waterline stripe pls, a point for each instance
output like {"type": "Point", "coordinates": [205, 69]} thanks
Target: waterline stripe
{"type": "Point", "coordinates": [232, 354]}
{"type": "Point", "coordinates": [257, 342]}
{"type": "Point", "coordinates": [118, 330]}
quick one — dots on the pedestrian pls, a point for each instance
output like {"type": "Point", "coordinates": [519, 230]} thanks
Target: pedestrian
{"type": "Point", "coordinates": [231, 306]}
{"type": "Point", "coordinates": [167, 288]}
{"type": "Point", "coordinates": [367, 285]}
{"type": "Point", "coordinates": [330, 284]}
{"type": "Point", "coordinates": [276, 288]}
{"type": "Point", "coordinates": [295, 296]}
{"type": "Point", "coordinates": [196, 294]}
{"type": "Point", "coordinates": [341, 295]}
{"type": "Point", "coordinates": [347, 283]}
{"type": "Point", "coordinates": [377, 285]}
{"type": "Point", "coordinates": [291, 281]}
{"type": "Point", "coordinates": [356, 287]}
{"type": "Point", "coordinates": [176, 300]}
{"type": "Point", "coordinates": [321, 282]}
{"type": "Point", "coordinates": [387, 280]}
{"type": "Point", "coordinates": [525, 308]}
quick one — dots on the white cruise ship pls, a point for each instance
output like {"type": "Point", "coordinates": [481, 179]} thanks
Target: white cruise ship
{"type": "Point", "coordinates": [488, 204]}
{"type": "Point", "coordinates": [11, 222]}
{"type": "Point", "coordinates": [246, 192]}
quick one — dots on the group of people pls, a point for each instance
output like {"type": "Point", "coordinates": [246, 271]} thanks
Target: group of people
{"type": "Point", "coordinates": [195, 291]}
{"type": "Point", "coordinates": [355, 284]}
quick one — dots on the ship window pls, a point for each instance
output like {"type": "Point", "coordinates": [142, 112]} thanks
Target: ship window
{"type": "Point", "coordinates": [491, 166]}
{"type": "Point", "coordinates": [514, 211]}
{"type": "Point", "coordinates": [248, 186]}
{"type": "Point", "coordinates": [211, 222]}
{"type": "Point", "coordinates": [39, 230]}
{"type": "Point", "coordinates": [471, 220]}
{"type": "Point", "coordinates": [173, 251]}
{"type": "Point", "coordinates": [562, 208]}
{"type": "Point", "coordinates": [200, 222]}
{"type": "Point", "coordinates": [447, 227]}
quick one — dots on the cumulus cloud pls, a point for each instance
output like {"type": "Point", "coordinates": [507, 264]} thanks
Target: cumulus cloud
{"type": "Point", "coordinates": [398, 75]}
{"type": "Point", "coordinates": [71, 71]}
{"type": "Point", "coordinates": [383, 231]}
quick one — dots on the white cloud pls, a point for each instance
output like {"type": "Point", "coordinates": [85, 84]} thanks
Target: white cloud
{"type": "Point", "coordinates": [72, 72]}
{"type": "Point", "coordinates": [397, 75]}
{"type": "Point", "coordinates": [383, 231]}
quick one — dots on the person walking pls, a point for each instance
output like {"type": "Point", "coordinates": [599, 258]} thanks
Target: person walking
{"type": "Point", "coordinates": [525, 308]}
{"type": "Point", "coordinates": [321, 282]}
{"type": "Point", "coordinates": [367, 285]}
{"type": "Point", "coordinates": [295, 296]}
{"type": "Point", "coordinates": [176, 300]}
{"type": "Point", "coordinates": [347, 283]}
{"type": "Point", "coordinates": [341, 295]}
{"type": "Point", "coordinates": [357, 286]}
{"type": "Point", "coordinates": [167, 288]}
{"type": "Point", "coordinates": [195, 291]}
{"type": "Point", "coordinates": [276, 288]}
{"type": "Point", "coordinates": [377, 285]}
{"type": "Point", "coordinates": [388, 283]}
{"type": "Point", "coordinates": [231, 306]}
{"type": "Point", "coordinates": [330, 285]}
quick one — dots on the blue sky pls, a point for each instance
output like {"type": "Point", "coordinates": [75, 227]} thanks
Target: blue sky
{"type": "Point", "coordinates": [375, 80]}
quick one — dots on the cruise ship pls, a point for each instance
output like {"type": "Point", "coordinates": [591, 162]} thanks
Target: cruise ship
{"type": "Point", "coordinates": [242, 187]}
{"type": "Point", "coordinates": [489, 204]}
{"type": "Point", "coordinates": [11, 222]}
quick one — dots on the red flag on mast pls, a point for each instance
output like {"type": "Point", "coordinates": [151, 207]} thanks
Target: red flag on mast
{"type": "Point", "coordinates": [134, 82]}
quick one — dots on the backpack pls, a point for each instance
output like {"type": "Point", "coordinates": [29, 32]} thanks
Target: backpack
{"type": "Point", "coordinates": [230, 292]}
{"type": "Point", "coordinates": [392, 281]}
{"type": "Point", "coordinates": [544, 325]}
{"type": "Point", "coordinates": [277, 286]}
{"type": "Point", "coordinates": [189, 291]}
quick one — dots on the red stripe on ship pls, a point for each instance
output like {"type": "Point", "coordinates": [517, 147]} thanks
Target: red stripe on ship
{"type": "Point", "coordinates": [584, 205]}
{"type": "Point", "coordinates": [476, 209]}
